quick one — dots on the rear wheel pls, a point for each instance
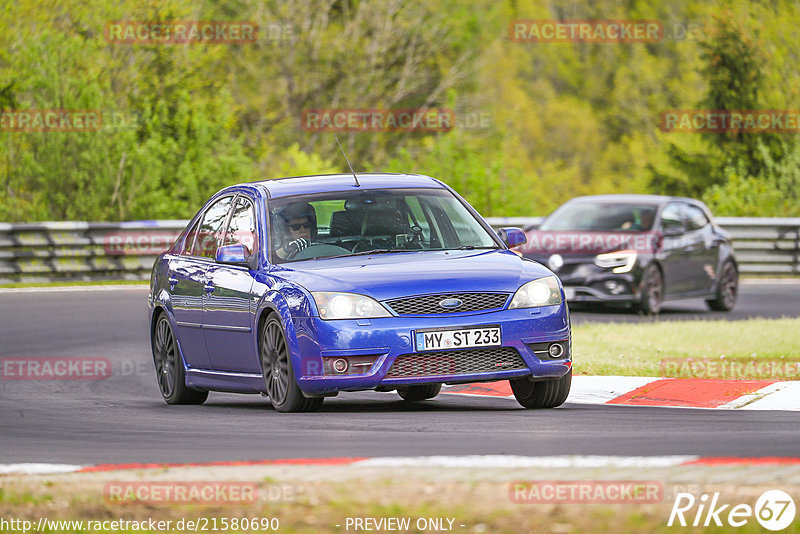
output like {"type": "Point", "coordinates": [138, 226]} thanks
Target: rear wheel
{"type": "Point", "coordinates": [652, 291]}
{"type": "Point", "coordinates": [419, 393]}
{"type": "Point", "coordinates": [281, 386]}
{"type": "Point", "coordinates": [169, 367]}
{"type": "Point", "coordinates": [727, 289]}
{"type": "Point", "coordinates": [541, 394]}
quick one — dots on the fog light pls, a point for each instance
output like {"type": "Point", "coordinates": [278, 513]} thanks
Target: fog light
{"type": "Point", "coordinates": [556, 350]}
{"type": "Point", "coordinates": [340, 365]}
{"type": "Point", "coordinates": [614, 287]}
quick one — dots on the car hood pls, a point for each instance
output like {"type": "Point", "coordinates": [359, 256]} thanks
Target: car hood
{"type": "Point", "coordinates": [387, 276]}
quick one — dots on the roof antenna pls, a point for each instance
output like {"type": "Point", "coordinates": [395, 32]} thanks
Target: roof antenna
{"type": "Point", "coordinates": [347, 160]}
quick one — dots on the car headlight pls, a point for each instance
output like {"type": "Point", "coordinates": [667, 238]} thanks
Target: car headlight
{"type": "Point", "coordinates": [348, 306]}
{"type": "Point", "coordinates": [541, 292]}
{"type": "Point", "coordinates": [622, 261]}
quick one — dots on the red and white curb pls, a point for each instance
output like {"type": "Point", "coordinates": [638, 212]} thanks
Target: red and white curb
{"type": "Point", "coordinates": [470, 462]}
{"type": "Point", "coordinates": [673, 392]}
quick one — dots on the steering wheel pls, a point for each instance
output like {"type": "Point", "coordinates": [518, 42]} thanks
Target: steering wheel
{"type": "Point", "coordinates": [362, 245]}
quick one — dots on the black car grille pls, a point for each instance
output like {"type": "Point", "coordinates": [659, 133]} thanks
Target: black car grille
{"type": "Point", "coordinates": [429, 304]}
{"type": "Point", "coordinates": [456, 362]}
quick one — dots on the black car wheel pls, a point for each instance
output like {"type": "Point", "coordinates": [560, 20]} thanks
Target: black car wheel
{"type": "Point", "coordinates": [652, 290]}
{"type": "Point", "coordinates": [419, 393]}
{"type": "Point", "coordinates": [727, 289]}
{"type": "Point", "coordinates": [282, 389]}
{"type": "Point", "coordinates": [542, 394]}
{"type": "Point", "coordinates": [169, 367]}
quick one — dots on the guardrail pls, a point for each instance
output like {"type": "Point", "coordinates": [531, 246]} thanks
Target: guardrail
{"type": "Point", "coordinates": [56, 251]}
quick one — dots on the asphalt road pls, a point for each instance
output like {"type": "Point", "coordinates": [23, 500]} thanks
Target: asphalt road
{"type": "Point", "coordinates": [122, 418]}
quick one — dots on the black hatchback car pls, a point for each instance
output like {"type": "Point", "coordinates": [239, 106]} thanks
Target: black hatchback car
{"type": "Point", "coordinates": [637, 249]}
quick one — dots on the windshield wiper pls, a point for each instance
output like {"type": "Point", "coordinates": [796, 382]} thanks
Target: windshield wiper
{"type": "Point", "coordinates": [473, 247]}
{"type": "Point", "coordinates": [373, 251]}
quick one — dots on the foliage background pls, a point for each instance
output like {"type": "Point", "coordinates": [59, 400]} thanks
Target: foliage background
{"type": "Point", "coordinates": [559, 119]}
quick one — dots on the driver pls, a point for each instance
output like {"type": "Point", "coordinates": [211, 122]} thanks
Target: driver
{"type": "Point", "coordinates": [296, 224]}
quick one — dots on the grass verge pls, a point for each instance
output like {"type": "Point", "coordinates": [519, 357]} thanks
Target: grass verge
{"type": "Point", "coordinates": [472, 502]}
{"type": "Point", "coordinates": [637, 349]}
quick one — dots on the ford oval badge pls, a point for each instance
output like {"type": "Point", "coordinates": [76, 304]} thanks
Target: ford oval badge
{"type": "Point", "coordinates": [450, 304]}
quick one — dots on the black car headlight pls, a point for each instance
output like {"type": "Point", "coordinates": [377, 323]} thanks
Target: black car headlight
{"type": "Point", "coordinates": [621, 262]}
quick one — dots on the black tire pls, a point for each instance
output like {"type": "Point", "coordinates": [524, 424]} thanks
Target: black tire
{"type": "Point", "coordinates": [170, 374]}
{"type": "Point", "coordinates": [542, 394]}
{"type": "Point", "coordinates": [276, 365]}
{"type": "Point", "coordinates": [652, 291]}
{"type": "Point", "coordinates": [419, 393]}
{"type": "Point", "coordinates": [727, 289]}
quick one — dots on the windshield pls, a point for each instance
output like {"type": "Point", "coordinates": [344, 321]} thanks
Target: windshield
{"type": "Point", "coordinates": [601, 217]}
{"type": "Point", "coordinates": [371, 221]}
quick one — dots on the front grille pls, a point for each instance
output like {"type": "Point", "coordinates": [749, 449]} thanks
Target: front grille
{"type": "Point", "coordinates": [429, 304]}
{"type": "Point", "coordinates": [456, 362]}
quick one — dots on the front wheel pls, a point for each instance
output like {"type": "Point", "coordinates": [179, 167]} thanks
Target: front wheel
{"type": "Point", "coordinates": [652, 291]}
{"type": "Point", "coordinates": [281, 386]}
{"type": "Point", "coordinates": [419, 393]}
{"type": "Point", "coordinates": [169, 367]}
{"type": "Point", "coordinates": [727, 289]}
{"type": "Point", "coordinates": [541, 394]}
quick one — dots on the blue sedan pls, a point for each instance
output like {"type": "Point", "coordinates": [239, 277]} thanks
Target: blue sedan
{"type": "Point", "coordinates": [299, 288]}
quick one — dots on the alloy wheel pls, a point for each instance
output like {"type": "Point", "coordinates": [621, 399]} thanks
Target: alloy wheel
{"type": "Point", "coordinates": [165, 357]}
{"type": "Point", "coordinates": [275, 362]}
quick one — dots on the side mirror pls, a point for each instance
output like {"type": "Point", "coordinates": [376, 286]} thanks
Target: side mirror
{"type": "Point", "coordinates": [232, 255]}
{"type": "Point", "coordinates": [673, 231]}
{"type": "Point", "coordinates": [512, 236]}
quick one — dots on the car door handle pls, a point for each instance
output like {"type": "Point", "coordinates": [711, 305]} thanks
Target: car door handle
{"type": "Point", "coordinates": [209, 287]}
{"type": "Point", "coordinates": [172, 282]}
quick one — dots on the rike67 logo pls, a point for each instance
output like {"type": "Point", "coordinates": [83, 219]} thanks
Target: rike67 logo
{"type": "Point", "coordinates": [774, 510]}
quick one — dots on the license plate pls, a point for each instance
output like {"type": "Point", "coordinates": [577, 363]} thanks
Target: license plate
{"type": "Point", "coordinates": [569, 293]}
{"type": "Point", "coordinates": [463, 338]}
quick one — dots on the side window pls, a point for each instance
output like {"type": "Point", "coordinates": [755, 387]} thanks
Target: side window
{"type": "Point", "coordinates": [242, 228]}
{"type": "Point", "coordinates": [695, 218]}
{"type": "Point", "coordinates": [210, 231]}
{"type": "Point", "coordinates": [671, 217]}
{"type": "Point", "coordinates": [188, 243]}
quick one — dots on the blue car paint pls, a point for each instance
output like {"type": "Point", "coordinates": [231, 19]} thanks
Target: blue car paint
{"type": "Point", "coordinates": [219, 340]}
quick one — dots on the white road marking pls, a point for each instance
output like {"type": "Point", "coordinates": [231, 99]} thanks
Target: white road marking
{"type": "Point", "coordinates": [778, 396]}
{"type": "Point", "coordinates": [510, 461]}
{"type": "Point", "coordinates": [61, 289]}
{"type": "Point", "coordinates": [601, 389]}
{"type": "Point", "coordinates": [37, 469]}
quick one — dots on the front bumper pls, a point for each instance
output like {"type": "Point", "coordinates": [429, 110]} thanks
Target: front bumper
{"type": "Point", "coordinates": [525, 330]}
